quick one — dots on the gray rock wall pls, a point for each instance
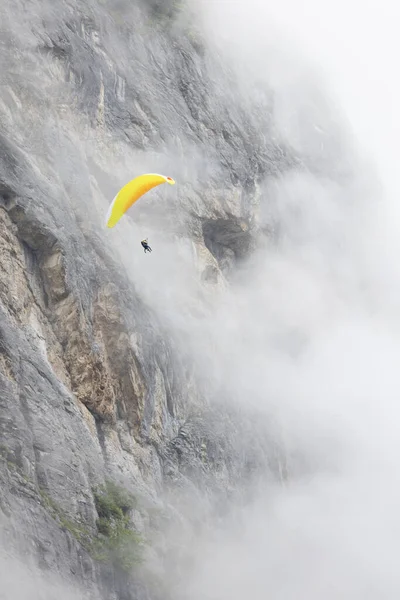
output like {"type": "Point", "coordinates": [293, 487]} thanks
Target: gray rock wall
{"type": "Point", "coordinates": [93, 382]}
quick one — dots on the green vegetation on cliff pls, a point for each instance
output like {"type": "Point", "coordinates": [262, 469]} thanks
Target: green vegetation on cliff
{"type": "Point", "coordinates": [116, 542]}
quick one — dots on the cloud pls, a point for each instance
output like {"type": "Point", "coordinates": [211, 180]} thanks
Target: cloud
{"type": "Point", "coordinates": [309, 331]}
{"type": "Point", "coordinates": [22, 581]}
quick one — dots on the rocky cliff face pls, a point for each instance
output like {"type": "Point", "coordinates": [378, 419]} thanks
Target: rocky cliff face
{"type": "Point", "coordinates": [95, 384]}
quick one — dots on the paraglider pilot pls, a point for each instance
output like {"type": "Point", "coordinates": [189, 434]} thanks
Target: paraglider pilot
{"type": "Point", "coordinates": [146, 246]}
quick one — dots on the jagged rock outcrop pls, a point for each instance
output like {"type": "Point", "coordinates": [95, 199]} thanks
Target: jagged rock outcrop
{"type": "Point", "coordinates": [93, 385]}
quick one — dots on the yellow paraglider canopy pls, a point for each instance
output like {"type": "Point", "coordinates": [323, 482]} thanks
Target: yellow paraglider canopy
{"type": "Point", "coordinates": [131, 192]}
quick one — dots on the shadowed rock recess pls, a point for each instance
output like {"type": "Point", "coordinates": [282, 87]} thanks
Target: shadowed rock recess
{"type": "Point", "coordinates": [107, 442]}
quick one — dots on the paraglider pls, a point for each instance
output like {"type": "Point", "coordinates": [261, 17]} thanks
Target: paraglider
{"type": "Point", "coordinates": [131, 192]}
{"type": "Point", "coordinates": [146, 246]}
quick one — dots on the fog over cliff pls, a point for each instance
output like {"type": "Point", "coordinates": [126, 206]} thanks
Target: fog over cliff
{"type": "Point", "coordinates": [242, 379]}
